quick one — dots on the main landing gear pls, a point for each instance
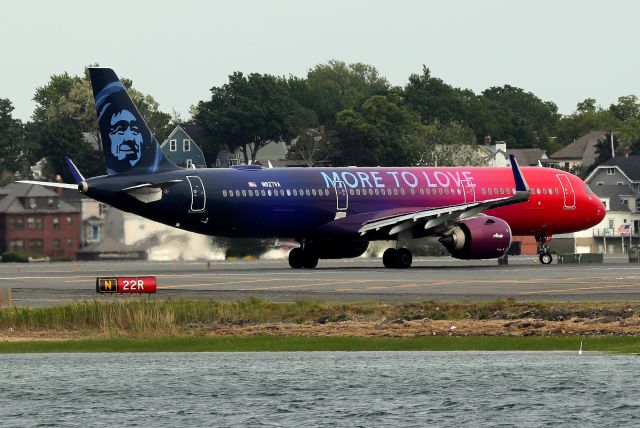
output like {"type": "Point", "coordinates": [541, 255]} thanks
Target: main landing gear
{"type": "Point", "coordinates": [543, 249]}
{"type": "Point", "coordinates": [299, 258]}
{"type": "Point", "coordinates": [399, 259]}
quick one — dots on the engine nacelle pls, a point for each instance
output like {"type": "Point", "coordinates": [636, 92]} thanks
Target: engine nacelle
{"type": "Point", "coordinates": [337, 249]}
{"type": "Point", "coordinates": [481, 237]}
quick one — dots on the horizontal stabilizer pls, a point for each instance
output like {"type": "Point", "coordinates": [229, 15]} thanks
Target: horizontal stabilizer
{"type": "Point", "coordinates": [77, 176]}
{"type": "Point", "coordinates": [49, 184]}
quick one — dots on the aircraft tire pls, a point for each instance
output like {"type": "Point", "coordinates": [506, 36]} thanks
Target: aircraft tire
{"type": "Point", "coordinates": [310, 261]}
{"type": "Point", "coordinates": [546, 258]}
{"type": "Point", "coordinates": [404, 258]}
{"type": "Point", "coordinates": [296, 258]}
{"type": "Point", "coordinates": [389, 258]}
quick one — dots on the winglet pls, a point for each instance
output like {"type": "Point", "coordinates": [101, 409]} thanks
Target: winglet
{"type": "Point", "coordinates": [521, 183]}
{"type": "Point", "coordinates": [77, 176]}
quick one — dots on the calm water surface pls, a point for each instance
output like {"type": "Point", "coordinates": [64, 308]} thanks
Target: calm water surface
{"type": "Point", "coordinates": [320, 389]}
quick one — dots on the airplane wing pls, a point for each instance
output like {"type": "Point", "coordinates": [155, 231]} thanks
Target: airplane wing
{"type": "Point", "coordinates": [440, 219]}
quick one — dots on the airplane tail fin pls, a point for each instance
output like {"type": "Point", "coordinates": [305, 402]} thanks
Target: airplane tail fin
{"type": "Point", "coordinates": [129, 145]}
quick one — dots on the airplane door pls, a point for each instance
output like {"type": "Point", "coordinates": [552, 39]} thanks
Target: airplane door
{"type": "Point", "coordinates": [342, 196]}
{"type": "Point", "coordinates": [469, 191]}
{"type": "Point", "coordinates": [198, 197]}
{"type": "Point", "coordinates": [567, 189]}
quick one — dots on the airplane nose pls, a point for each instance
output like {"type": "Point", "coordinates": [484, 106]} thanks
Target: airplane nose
{"type": "Point", "coordinates": [598, 209]}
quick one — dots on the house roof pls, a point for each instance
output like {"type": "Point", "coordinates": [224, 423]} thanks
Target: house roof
{"type": "Point", "coordinates": [14, 194]}
{"type": "Point", "coordinates": [196, 132]}
{"type": "Point", "coordinates": [614, 193]}
{"type": "Point", "coordinates": [584, 148]}
{"type": "Point", "coordinates": [630, 165]}
{"type": "Point", "coordinates": [528, 156]}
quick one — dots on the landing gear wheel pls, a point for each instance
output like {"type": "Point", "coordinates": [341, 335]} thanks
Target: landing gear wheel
{"type": "Point", "coordinates": [310, 260]}
{"type": "Point", "coordinates": [404, 258]}
{"type": "Point", "coordinates": [545, 258]}
{"type": "Point", "coordinates": [296, 258]}
{"type": "Point", "coordinates": [389, 258]}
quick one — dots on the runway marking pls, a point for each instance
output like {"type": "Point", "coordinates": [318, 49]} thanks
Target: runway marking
{"type": "Point", "coordinates": [204, 284]}
{"type": "Point", "coordinates": [602, 287]}
{"type": "Point", "coordinates": [280, 287]}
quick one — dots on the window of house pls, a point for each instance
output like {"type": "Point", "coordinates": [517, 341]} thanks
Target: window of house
{"type": "Point", "coordinates": [17, 223]}
{"type": "Point", "coordinates": [34, 223]}
{"type": "Point", "coordinates": [611, 223]}
{"type": "Point", "coordinates": [599, 183]}
{"type": "Point", "coordinates": [56, 244]}
{"type": "Point", "coordinates": [619, 183]}
{"type": "Point", "coordinates": [69, 220]}
{"type": "Point", "coordinates": [605, 204]}
{"type": "Point", "coordinates": [16, 245]}
{"type": "Point", "coordinates": [173, 145]}
{"type": "Point", "coordinates": [35, 245]}
{"type": "Point", "coordinates": [95, 232]}
{"type": "Point", "coordinates": [566, 164]}
{"type": "Point", "coordinates": [188, 163]}
{"type": "Point", "coordinates": [56, 223]}
{"type": "Point", "coordinates": [611, 171]}
{"type": "Point", "coordinates": [186, 145]}
{"type": "Point", "coordinates": [70, 243]}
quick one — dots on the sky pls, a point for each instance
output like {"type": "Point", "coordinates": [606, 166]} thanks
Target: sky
{"type": "Point", "coordinates": [562, 51]}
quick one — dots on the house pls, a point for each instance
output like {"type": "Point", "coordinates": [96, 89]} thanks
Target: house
{"type": "Point", "coordinates": [617, 183]}
{"type": "Point", "coordinates": [181, 147]}
{"type": "Point", "coordinates": [582, 152]}
{"type": "Point", "coordinates": [528, 157]}
{"type": "Point", "coordinates": [92, 216]}
{"type": "Point", "coordinates": [37, 220]}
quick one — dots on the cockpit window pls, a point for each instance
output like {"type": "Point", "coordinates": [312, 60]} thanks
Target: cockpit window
{"type": "Point", "coordinates": [588, 190]}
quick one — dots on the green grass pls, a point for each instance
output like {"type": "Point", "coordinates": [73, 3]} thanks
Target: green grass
{"type": "Point", "coordinates": [614, 344]}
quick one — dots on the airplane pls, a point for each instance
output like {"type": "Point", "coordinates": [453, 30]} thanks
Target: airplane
{"type": "Point", "coordinates": [331, 212]}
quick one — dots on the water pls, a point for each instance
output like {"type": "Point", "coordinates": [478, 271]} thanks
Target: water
{"type": "Point", "coordinates": [320, 389]}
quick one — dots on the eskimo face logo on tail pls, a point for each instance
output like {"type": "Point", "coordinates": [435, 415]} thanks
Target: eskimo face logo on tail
{"type": "Point", "coordinates": [125, 137]}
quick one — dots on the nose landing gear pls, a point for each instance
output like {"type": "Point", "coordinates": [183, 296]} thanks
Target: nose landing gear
{"type": "Point", "coordinates": [399, 259]}
{"type": "Point", "coordinates": [543, 249]}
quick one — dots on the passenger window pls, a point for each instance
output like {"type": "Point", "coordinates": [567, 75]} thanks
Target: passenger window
{"type": "Point", "coordinates": [484, 191]}
{"type": "Point", "coordinates": [413, 192]}
{"type": "Point", "coordinates": [313, 192]}
{"type": "Point", "coordinates": [459, 191]}
{"type": "Point", "coordinates": [262, 193]}
{"type": "Point", "coordinates": [395, 191]}
{"type": "Point", "coordinates": [556, 190]}
{"type": "Point", "coordinates": [224, 193]}
{"type": "Point", "coordinates": [244, 193]}
{"type": "Point", "coordinates": [427, 191]}
{"type": "Point", "coordinates": [502, 190]}
{"type": "Point", "coordinates": [326, 192]}
{"type": "Point", "coordinates": [440, 190]}
{"type": "Point", "coordinates": [370, 192]}
{"type": "Point", "coordinates": [489, 191]}
{"type": "Point", "coordinates": [269, 192]}
{"type": "Point", "coordinates": [351, 192]}
{"type": "Point", "coordinates": [358, 192]}
{"type": "Point", "coordinates": [288, 192]}
{"type": "Point", "coordinates": [377, 191]}
{"type": "Point", "coordinates": [402, 190]}
{"type": "Point", "coordinates": [250, 192]}
{"type": "Point", "coordinates": [544, 190]}
{"type": "Point", "coordinates": [237, 193]}
{"type": "Point", "coordinates": [306, 192]}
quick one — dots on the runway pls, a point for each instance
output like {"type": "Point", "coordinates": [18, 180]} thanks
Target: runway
{"type": "Point", "coordinates": [340, 280]}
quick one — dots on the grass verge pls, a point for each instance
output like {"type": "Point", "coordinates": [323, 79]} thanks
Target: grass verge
{"type": "Point", "coordinates": [614, 344]}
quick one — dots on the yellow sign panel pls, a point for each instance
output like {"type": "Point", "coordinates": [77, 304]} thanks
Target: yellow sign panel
{"type": "Point", "coordinates": [106, 285]}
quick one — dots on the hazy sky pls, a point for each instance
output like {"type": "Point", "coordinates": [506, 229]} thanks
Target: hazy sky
{"type": "Point", "coordinates": [562, 51]}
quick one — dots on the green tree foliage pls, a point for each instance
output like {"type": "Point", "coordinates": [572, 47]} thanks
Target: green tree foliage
{"type": "Point", "coordinates": [337, 86]}
{"type": "Point", "coordinates": [381, 133]}
{"type": "Point", "coordinates": [49, 95]}
{"type": "Point", "coordinates": [603, 148]}
{"type": "Point", "coordinates": [626, 108]}
{"type": "Point", "coordinates": [246, 114]}
{"type": "Point", "coordinates": [530, 117]}
{"type": "Point", "coordinates": [433, 99]}
{"type": "Point", "coordinates": [587, 118]}
{"type": "Point", "coordinates": [11, 139]}
{"type": "Point", "coordinates": [446, 144]}
{"type": "Point", "coordinates": [63, 137]}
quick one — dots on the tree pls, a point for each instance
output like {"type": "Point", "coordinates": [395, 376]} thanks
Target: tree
{"type": "Point", "coordinates": [379, 133]}
{"type": "Point", "coordinates": [63, 137]}
{"type": "Point", "coordinates": [336, 86]}
{"type": "Point", "coordinates": [584, 121]}
{"type": "Point", "coordinates": [603, 148]}
{"type": "Point", "coordinates": [247, 113]}
{"type": "Point", "coordinates": [433, 99]}
{"type": "Point", "coordinates": [446, 144]}
{"type": "Point", "coordinates": [11, 138]}
{"type": "Point", "coordinates": [627, 108]}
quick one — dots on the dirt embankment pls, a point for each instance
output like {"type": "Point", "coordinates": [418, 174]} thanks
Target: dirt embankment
{"type": "Point", "coordinates": [382, 328]}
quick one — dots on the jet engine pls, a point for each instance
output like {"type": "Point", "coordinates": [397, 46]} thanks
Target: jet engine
{"type": "Point", "coordinates": [337, 249]}
{"type": "Point", "coordinates": [481, 237]}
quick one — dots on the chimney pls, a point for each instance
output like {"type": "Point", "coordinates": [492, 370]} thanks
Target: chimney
{"type": "Point", "coordinates": [487, 140]}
